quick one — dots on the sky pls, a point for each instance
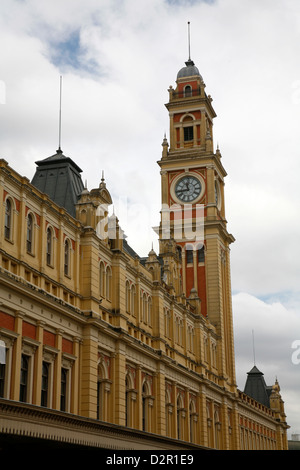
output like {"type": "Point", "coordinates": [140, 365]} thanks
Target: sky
{"type": "Point", "coordinates": [117, 59]}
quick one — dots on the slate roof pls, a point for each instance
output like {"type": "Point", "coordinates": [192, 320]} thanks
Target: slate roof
{"type": "Point", "coordinates": [59, 177]}
{"type": "Point", "coordinates": [256, 387]}
{"type": "Point", "coordinates": [189, 70]}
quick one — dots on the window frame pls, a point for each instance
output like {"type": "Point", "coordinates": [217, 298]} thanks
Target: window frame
{"type": "Point", "coordinates": [8, 219]}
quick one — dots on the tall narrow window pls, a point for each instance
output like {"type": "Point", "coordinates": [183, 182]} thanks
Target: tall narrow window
{"type": "Point", "coordinates": [3, 354]}
{"type": "Point", "coordinates": [127, 297]}
{"type": "Point", "coordinates": [67, 258]}
{"type": "Point", "coordinates": [144, 407]}
{"type": "Point", "coordinates": [149, 311]}
{"type": "Point", "coordinates": [188, 133]}
{"type": "Point", "coordinates": [189, 256]}
{"type": "Point", "coordinates": [29, 238]}
{"type": "Point", "coordinates": [63, 389]}
{"type": "Point", "coordinates": [127, 403]}
{"type": "Point", "coordinates": [108, 283]}
{"type": "Point", "coordinates": [99, 399]}
{"type": "Point", "coordinates": [24, 378]}
{"type": "Point", "coordinates": [45, 384]}
{"type": "Point", "coordinates": [102, 279]}
{"type": "Point", "coordinates": [145, 313]}
{"type": "Point", "coordinates": [188, 91]}
{"type": "Point", "coordinates": [132, 300]}
{"type": "Point", "coordinates": [192, 413]}
{"type": "Point", "coordinates": [8, 219]}
{"type": "Point", "coordinates": [49, 246]}
{"type": "Point", "coordinates": [201, 255]}
{"type": "Point", "coordinates": [178, 418]}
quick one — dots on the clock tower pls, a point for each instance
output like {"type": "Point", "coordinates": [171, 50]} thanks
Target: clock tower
{"type": "Point", "coordinates": [193, 238]}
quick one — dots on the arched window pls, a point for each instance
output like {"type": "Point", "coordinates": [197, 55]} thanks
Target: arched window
{"type": "Point", "coordinates": [49, 247]}
{"type": "Point", "coordinates": [179, 417]}
{"type": "Point", "coordinates": [102, 279]}
{"type": "Point", "coordinates": [128, 299]}
{"type": "Point", "coordinates": [144, 307]}
{"type": "Point", "coordinates": [167, 323]}
{"type": "Point", "coordinates": [188, 129]}
{"type": "Point", "coordinates": [8, 220]}
{"type": "Point", "coordinates": [108, 283]}
{"type": "Point", "coordinates": [149, 307]}
{"type": "Point", "coordinates": [192, 416]}
{"type": "Point", "coordinates": [217, 430]}
{"type": "Point", "coordinates": [144, 407]}
{"type": "Point", "coordinates": [132, 300]}
{"type": "Point", "coordinates": [29, 236]}
{"type": "Point", "coordinates": [67, 258]}
{"type": "Point", "coordinates": [129, 400]}
{"type": "Point", "coordinates": [188, 91]}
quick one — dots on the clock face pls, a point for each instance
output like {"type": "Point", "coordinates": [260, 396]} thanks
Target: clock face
{"type": "Point", "coordinates": [188, 188]}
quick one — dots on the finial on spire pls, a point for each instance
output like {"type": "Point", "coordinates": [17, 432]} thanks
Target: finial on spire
{"type": "Point", "coordinates": [102, 184]}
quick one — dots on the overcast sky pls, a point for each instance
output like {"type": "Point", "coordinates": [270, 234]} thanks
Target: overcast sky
{"type": "Point", "coordinates": [118, 59]}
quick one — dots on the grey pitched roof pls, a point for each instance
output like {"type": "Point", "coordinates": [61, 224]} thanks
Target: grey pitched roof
{"type": "Point", "coordinates": [256, 387]}
{"type": "Point", "coordinates": [59, 177]}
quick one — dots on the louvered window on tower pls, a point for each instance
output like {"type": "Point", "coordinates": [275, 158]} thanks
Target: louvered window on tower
{"type": "Point", "coordinates": [188, 133]}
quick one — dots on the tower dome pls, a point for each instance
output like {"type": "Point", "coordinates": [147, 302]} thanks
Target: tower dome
{"type": "Point", "coordinates": [190, 70]}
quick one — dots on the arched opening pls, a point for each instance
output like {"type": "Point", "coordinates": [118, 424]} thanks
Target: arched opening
{"type": "Point", "coordinates": [187, 91]}
{"type": "Point", "coordinates": [8, 219]}
{"type": "Point", "coordinates": [67, 258]}
{"type": "Point", "coordinates": [29, 234]}
{"type": "Point", "coordinates": [108, 283]}
{"type": "Point", "coordinates": [180, 415]}
{"type": "Point", "coordinates": [102, 279]}
{"type": "Point", "coordinates": [49, 247]}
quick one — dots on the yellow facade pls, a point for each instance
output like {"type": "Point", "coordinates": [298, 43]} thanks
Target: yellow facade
{"type": "Point", "coordinates": [92, 330]}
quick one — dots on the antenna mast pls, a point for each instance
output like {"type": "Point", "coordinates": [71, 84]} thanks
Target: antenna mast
{"type": "Point", "coordinates": [253, 346]}
{"type": "Point", "coordinates": [189, 40]}
{"type": "Point", "coordinates": [59, 128]}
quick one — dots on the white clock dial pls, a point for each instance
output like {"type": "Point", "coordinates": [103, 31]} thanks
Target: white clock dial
{"type": "Point", "coordinates": [188, 188]}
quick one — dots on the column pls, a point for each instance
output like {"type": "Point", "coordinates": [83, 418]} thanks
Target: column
{"type": "Point", "coordinates": [195, 266]}
{"type": "Point", "coordinates": [224, 424]}
{"type": "Point", "coordinates": [16, 359]}
{"type": "Point", "coordinates": [89, 375]}
{"type": "Point", "coordinates": [139, 397]}
{"type": "Point", "coordinates": [183, 255]}
{"type": "Point", "coordinates": [120, 385]}
{"type": "Point", "coordinates": [57, 371]}
{"type": "Point", "coordinates": [38, 360]}
{"type": "Point", "coordinates": [160, 400]}
{"type": "Point", "coordinates": [75, 377]}
{"type": "Point", "coordinates": [235, 428]}
{"type": "Point", "coordinates": [202, 424]}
